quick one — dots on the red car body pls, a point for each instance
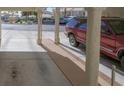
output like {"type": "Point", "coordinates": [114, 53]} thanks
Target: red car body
{"type": "Point", "coordinates": [112, 43]}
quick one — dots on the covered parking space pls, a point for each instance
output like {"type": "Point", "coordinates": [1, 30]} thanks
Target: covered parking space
{"type": "Point", "coordinates": [91, 70]}
{"type": "Point", "coordinates": [93, 41]}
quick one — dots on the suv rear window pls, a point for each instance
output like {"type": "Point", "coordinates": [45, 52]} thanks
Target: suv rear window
{"type": "Point", "coordinates": [118, 26]}
{"type": "Point", "coordinates": [83, 26]}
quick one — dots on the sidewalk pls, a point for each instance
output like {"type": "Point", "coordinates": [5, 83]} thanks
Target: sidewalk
{"type": "Point", "coordinates": [23, 62]}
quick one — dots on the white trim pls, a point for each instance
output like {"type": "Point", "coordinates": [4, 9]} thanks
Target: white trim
{"type": "Point", "coordinates": [102, 47]}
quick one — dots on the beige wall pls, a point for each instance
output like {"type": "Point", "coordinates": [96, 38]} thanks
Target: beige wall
{"type": "Point", "coordinates": [114, 12]}
{"type": "Point", "coordinates": [73, 11]}
{"type": "Point", "coordinates": [109, 12]}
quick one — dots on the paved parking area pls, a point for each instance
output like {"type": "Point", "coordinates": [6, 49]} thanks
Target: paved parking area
{"type": "Point", "coordinates": [26, 27]}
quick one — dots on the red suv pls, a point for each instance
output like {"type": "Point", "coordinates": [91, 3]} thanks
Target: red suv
{"type": "Point", "coordinates": [112, 35]}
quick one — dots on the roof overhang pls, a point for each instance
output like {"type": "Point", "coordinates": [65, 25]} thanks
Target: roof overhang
{"type": "Point", "coordinates": [18, 8]}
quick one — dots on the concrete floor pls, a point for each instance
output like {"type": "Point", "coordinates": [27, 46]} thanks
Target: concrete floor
{"type": "Point", "coordinates": [29, 68]}
{"type": "Point", "coordinates": [12, 36]}
{"type": "Point", "coordinates": [23, 62]}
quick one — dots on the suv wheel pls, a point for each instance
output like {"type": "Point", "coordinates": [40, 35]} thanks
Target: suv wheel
{"type": "Point", "coordinates": [122, 62]}
{"type": "Point", "coordinates": [73, 41]}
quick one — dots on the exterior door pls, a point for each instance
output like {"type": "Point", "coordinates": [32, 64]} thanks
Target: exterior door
{"type": "Point", "coordinates": [81, 32]}
{"type": "Point", "coordinates": [107, 39]}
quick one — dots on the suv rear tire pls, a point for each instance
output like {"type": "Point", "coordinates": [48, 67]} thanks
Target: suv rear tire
{"type": "Point", "coordinates": [122, 62]}
{"type": "Point", "coordinates": [73, 41]}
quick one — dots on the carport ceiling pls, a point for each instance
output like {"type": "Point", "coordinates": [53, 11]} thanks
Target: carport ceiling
{"type": "Point", "coordinates": [18, 8]}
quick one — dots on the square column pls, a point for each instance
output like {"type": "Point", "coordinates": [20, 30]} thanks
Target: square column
{"type": "Point", "coordinates": [0, 30]}
{"type": "Point", "coordinates": [57, 19]}
{"type": "Point", "coordinates": [93, 45]}
{"type": "Point", "coordinates": [39, 18]}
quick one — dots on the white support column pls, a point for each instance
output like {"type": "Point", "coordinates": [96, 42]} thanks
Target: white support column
{"type": "Point", "coordinates": [0, 30]}
{"type": "Point", "coordinates": [93, 45]}
{"type": "Point", "coordinates": [57, 19]}
{"type": "Point", "coordinates": [39, 34]}
{"type": "Point", "coordinates": [72, 12]}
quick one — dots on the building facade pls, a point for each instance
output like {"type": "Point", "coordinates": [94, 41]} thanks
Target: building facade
{"type": "Point", "coordinates": [81, 12]}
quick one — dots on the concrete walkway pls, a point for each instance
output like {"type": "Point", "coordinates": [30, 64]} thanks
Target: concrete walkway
{"type": "Point", "coordinates": [23, 62]}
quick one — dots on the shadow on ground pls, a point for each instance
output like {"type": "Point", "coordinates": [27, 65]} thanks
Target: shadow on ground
{"type": "Point", "coordinates": [104, 59]}
{"type": "Point", "coordinates": [72, 72]}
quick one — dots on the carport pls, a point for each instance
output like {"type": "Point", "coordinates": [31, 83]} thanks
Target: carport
{"type": "Point", "coordinates": [92, 44]}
